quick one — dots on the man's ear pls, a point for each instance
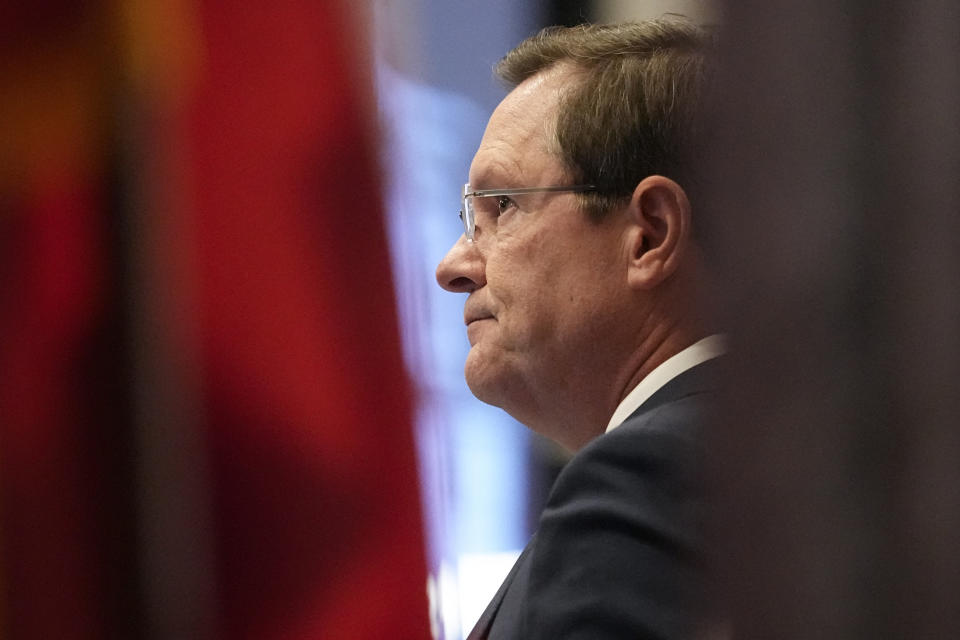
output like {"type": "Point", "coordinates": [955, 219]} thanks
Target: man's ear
{"type": "Point", "coordinates": [658, 232]}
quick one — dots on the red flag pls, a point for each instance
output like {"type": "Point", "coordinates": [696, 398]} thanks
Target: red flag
{"type": "Point", "coordinates": [217, 242]}
{"type": "Point", "coordinates": [317, 515]}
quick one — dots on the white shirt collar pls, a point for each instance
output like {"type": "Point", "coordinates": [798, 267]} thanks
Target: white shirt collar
{"type": "Point", "coordinates": [701, 351]}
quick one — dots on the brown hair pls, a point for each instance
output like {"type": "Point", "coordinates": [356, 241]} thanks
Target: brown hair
{"type": "Point", "coordinates": [634, 109]}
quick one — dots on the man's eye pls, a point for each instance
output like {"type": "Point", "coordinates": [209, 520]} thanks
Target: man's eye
{"type": "Point", "coordinates": [503, 203]}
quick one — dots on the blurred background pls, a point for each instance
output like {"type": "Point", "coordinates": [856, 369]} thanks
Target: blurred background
{"type": "Point", "coordinates": [231, 393]}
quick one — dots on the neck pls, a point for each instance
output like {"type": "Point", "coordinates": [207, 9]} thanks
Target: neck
{"type": "Point", "coordinates": [669, 326]}
{"type": "Point", "coordinates": [581, 406]}
{"type": "Point", "coordinates": [661, 346]}
{"type": "Point", "coordinates": [675, 323]}
{"type": "Point", "coordinates": [575, 406]}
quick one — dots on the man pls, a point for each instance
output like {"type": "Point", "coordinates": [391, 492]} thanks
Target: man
{"type": "Point", "coordinates": [582, 268]}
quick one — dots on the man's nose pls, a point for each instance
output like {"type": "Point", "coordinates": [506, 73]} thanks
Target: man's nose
{"type": "Point", "coordinates": [462, 269]}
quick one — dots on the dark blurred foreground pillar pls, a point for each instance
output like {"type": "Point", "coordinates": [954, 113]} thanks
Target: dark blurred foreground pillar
{"type": "Point", "coordinates": [836, 194]}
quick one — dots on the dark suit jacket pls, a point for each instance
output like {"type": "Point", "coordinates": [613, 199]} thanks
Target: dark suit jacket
{"type": "Point", "coordinates": [617, 552]}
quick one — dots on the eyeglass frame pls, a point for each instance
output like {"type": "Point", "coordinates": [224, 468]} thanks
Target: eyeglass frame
{"type": "Point", "coordinates": [468, 216]}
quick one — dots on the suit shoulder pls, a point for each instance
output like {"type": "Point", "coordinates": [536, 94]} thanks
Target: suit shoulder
{"type": "Point", "coordinates": [618, 551]}
{"type": "Point", "coordinates": [659, 447]}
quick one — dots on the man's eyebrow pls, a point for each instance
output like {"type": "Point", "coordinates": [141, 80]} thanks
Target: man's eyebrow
{"type": "Point", "coordinates": [485, 180]}
{"type": "Point", "coordinates": [496, 178]}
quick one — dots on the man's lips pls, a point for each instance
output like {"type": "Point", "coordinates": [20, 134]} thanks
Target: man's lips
{"type": "Point", "coordinates": [468, 320]}
{"type": "Point", "coordinates": [475, 309]}
{"type": "Point", "coordinates": [474, 322]}
{"type": "Point", "coordinates": [473, 313]}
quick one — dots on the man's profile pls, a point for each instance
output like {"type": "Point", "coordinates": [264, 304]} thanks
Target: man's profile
{"type": "Point", "coordinates": [582, 268]}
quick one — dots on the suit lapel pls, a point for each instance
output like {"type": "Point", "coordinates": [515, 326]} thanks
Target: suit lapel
{"type": "Point", "coordinates": [482, 629]}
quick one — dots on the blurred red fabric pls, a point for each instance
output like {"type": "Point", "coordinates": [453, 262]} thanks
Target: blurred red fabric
{"type": "Point", "coordinates": [305, 411]}
{"type": "Point", "coordinates": [309, 413]}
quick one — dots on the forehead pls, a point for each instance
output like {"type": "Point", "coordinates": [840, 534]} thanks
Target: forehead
{"type": "Point", "coordinates": [518, 147]}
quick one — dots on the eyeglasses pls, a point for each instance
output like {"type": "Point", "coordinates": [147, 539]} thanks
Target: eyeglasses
{"type": "Point", "coordinates": [468, 216]}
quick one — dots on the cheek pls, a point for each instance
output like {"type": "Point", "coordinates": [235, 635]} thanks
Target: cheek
{"type": "Point", "coordinates": [526, 283]}
{"type": "Point", "coordinates": [514, 291]}
{"type": "Point", "coordinates": [520, 268]}
{"type": "Point", "coordinates": [505, 282]}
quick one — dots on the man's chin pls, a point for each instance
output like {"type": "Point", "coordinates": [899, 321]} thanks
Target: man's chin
{"type": "Point", "coordinates": [484, 380]}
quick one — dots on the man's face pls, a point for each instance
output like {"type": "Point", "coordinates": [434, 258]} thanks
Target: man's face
{"type": "Point", "coordinates": [544, 283]}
